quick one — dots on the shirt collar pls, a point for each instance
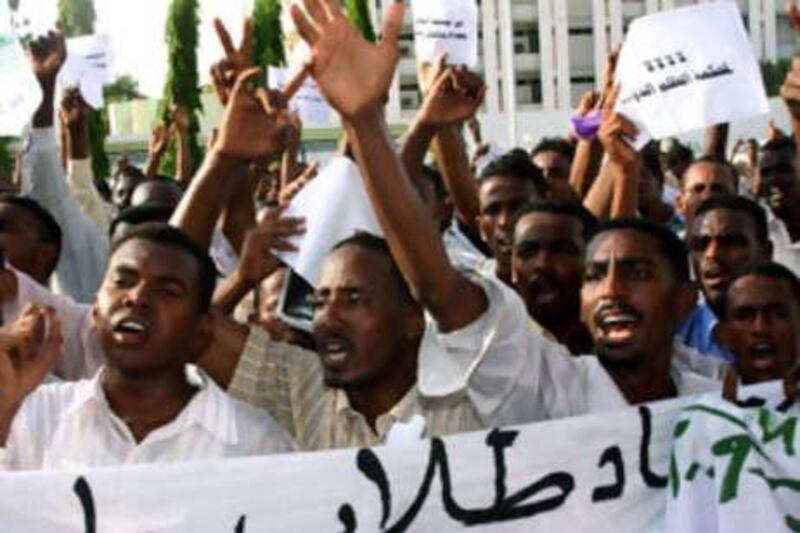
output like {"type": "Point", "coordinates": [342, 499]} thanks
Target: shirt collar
{"type": "Point", "coordinates": [209, 408]}
{"type": "Point", "coordinates": [402, 410]}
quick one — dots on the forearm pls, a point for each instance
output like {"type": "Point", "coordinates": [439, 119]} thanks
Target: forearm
{"type": "Point", "coordinates": [416, 246]}
{"type": "Point", "coordinates": [716, 141]}
{"type": "Point", "coordinates": [230, 292]}
{"type": "Point", "coordinates": [625, 198]}
{"type": "Point", "coordinates": [451, 156]}
{"type": "Point", "coordinates": [78, 140]}
{"type": "Point", "coordinates": [413, 149]}
{"type": "Point", "coordinates": [239, 214]}
{"type": "Point", "coordinates": [598, 199]}
{"type": "Point", "coordinates": [152, 164]}
{"type": "Point", "coordinates": [43, 118]}
{"type": "Point", "coordinates": [585, 166]}
{"type": "Point", "coordinates": [200, 208]}
{"type": "Point", "coordinates": [184, 160]}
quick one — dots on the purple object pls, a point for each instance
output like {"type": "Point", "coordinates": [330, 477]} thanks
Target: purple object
{"type": "Point", "coordinates": [586, 128]}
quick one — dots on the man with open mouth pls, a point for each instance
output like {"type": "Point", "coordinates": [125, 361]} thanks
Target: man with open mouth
{"type": "Point", "coordinates": [146, 403]}
{"type": "Point", "coordinates": [761, 322]}
{"type": "Point", "coordinates": [727, 233]}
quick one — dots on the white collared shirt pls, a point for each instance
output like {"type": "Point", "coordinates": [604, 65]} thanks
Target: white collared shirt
{"type": "Point", "coordinates": [514, 376]}
{"type": "Point", "coordinates": [70, 425]}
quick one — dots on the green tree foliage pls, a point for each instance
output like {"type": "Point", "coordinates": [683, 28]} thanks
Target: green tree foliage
{"type": "Point", "coordinates": [774, 75]}
{"type": "Point", "coordinates": [182, 85]}
{"type": "Point", "coordinates": [267, 34]}
{"type": "Point", "coordinates": [77, 17]}
{"type": "Point", "coordinates": [358, 12]}
{"type": "Point", "coordinates": [123, 89]}
{"type": "Point", "coordinates": [6, 156]}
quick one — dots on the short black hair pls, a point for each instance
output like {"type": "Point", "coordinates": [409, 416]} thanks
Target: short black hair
{"type": "Point", "coordinates": [49, 230]}
{"type": "Point", "coordinates": [514, 164]}
{"type": "Point", "coordinates": [781, 143]}
{"type": "Point", "coordinates": [557, 207]}
{"type": "Point", "coordinates": [678, 153]}
{"type": "Point", "coordinates": [165, 235]}
{"type": "Point", "coordinates": [670, 246]}
{"type": "Point", "coordinates": [374, 243]}
{"type": "Point", "coordinates": [129, 171]}
{"type": "Point", "coordinates": [140, 214]}
{"type": "Point", "coordinates": [714, 160]}
{"type": "Point", "coordinates": [559, 145]}
{"type": "Point", "coordinates": [741, 204]}
{"type": "Point", "coordinates": [763, 269]}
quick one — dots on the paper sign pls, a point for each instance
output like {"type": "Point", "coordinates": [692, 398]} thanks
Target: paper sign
{"type": "Point", "coordinates": [335, 206]}
{"type": "Point", "coordinates": [446, 26]}
{"type": "Point", "coordinates": [20, 94]}
{"type": "Point", "coordinates": [687, 69]}
{"type": "Point", "coordinates": [88, 67]}
{"type": "Point", "coordinates": [308, 101]}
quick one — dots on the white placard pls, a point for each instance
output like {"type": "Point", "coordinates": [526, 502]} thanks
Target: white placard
{"type": "Point", "coordinates": [687, 69]}
{"type": "Point", "coordinates": [335, 206]}
{"type": "Point", "coordinates": [20, 94]}
{"type": "Point", "coordinates": [308, 101]}
{"type": "Point", "coordinates": [598, 473]}
{"type": "Point", "coordinates": [88, 67]}
{"type": "Point", "coordinates": [446, 26]}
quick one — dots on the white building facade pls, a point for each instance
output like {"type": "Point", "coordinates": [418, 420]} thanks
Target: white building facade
{"type": "Point", "coordinates": [539, 56]}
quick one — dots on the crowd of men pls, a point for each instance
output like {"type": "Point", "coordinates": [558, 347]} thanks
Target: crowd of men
{"type": "Point", "coordinates": [140, 323]}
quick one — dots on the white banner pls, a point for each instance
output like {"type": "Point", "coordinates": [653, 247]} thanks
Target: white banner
{"type": "Point", "coordinates": [20, 94]}
{"type": "Point", "coordinates": [688, 68]}
{"type": "Point", "coordinates": [595, 473]}
{"type": "Point", "coordinates": [88, 67]}
{"type": "Point", "coordinates": [308, 101]}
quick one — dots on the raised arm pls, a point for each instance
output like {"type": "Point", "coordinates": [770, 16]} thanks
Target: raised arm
{"type": "Point", "coordinates": [338, 56]}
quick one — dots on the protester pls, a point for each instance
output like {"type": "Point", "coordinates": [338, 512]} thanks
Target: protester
{"type": "Point", "coordinates": [727, 233]}
{"type": "Point", "coordinates": [144, 404]}
{"type": "Point", "coordinates": [760, 323]}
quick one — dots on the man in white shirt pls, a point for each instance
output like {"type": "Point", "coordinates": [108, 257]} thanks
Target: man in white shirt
{"type": "Point", "coordinates": [145, 404]}
{"type": "Point", "coordinates": [637, 294]}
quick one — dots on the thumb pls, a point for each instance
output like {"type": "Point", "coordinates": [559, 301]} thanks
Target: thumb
{"type": "Point", "coordinates": [393, 22]}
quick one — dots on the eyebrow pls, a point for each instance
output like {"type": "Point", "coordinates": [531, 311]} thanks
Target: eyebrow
{"type": "Point", "coordinates": [171, 280]}
{"type": "Point", "coordinates": [625, 262]}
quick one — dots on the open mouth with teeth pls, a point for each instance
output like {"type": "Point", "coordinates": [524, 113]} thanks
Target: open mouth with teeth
{"type": "Point", "coordinates": [131, 331]}
{"type": "Point", "coordinates": [617, 327]}
{"type": "Point", "coordinates": [763, 356]}
{"type": "Point", "coordinates": [334, 351]}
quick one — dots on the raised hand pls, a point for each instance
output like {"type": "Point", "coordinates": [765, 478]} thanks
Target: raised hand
{"type": "Point", "coordinates": [47, 55]}
{"type": "Point", "coordinates": [159, 139]}
{"type": "Point", "coordinates": [794, 15]}
{"type": "Point", "coordinates": [255, 123]}
{"type": "Point", "coordinates": [272, 233]}
{"type": "Point", "coordinates": [614, 131]}
{"type": "Point", "coordinates": [236, 60]}
{"type": "Point", "coordinates": [287, 193]}
{"type": "Point", "coordinates": [74, 109]}
{"type": "Point", "coordinates": [790, 90]}
{"type": "Point", "coordinates": [454, 97]}
{"type": "Point", "coordinates": [29, 349]}
{"type": "Point", "coordinates": [179, 120]}
{"type": "Point", "coordinates": [353, 74]}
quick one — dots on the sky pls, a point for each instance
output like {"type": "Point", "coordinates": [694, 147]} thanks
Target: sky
{"type": "Point", "coordinates": [136, 29]}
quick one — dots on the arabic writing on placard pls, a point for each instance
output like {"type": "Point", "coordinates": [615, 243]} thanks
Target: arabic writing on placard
{"type": "Point", "coordinates": [677, 74]}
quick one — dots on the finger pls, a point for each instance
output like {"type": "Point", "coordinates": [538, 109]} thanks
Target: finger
{"type": "Point", "coordinates": [219, 85]}
{"type": "Point", "coordinates": [393, 23]}
{"type": "Point", "coordinates": [305, 27]}
{"type": "Point", "coordinates": [317, 12]}
{"type": "Point", "coordinates": [246, 50]}
{"type": "Point", "coordinates": [730, 384]}
{"type": "Point", "coordinates": [296, 82]}
{"type": "Point", "coordinates": [243, 79]}
{"type": "Point", "coordinates": [611, 99]}
{"type": "Point", "coordinates": [283, 246]}
{"type": "Point", "coordinates": [333, 8]}
{"type": "Point", "coordinates": [224, 38]}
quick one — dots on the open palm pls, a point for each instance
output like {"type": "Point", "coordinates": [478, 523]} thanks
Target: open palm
{"type": "Point", "coordinates": [353, 74]}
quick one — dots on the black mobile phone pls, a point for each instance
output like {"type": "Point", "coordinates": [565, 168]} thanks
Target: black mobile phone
{"type": "Point", "coordinates": [295, 306]}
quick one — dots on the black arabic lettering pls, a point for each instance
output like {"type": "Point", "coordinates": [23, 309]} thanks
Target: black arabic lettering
{"type": "Point", "coordinates": [504, 507]}
{"type": "Point", "coordinates": [612, 455]}
{"type": "Point", "coordinates": [650, 478]}
{"type": "Point", "coordinates": [84, 493]}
